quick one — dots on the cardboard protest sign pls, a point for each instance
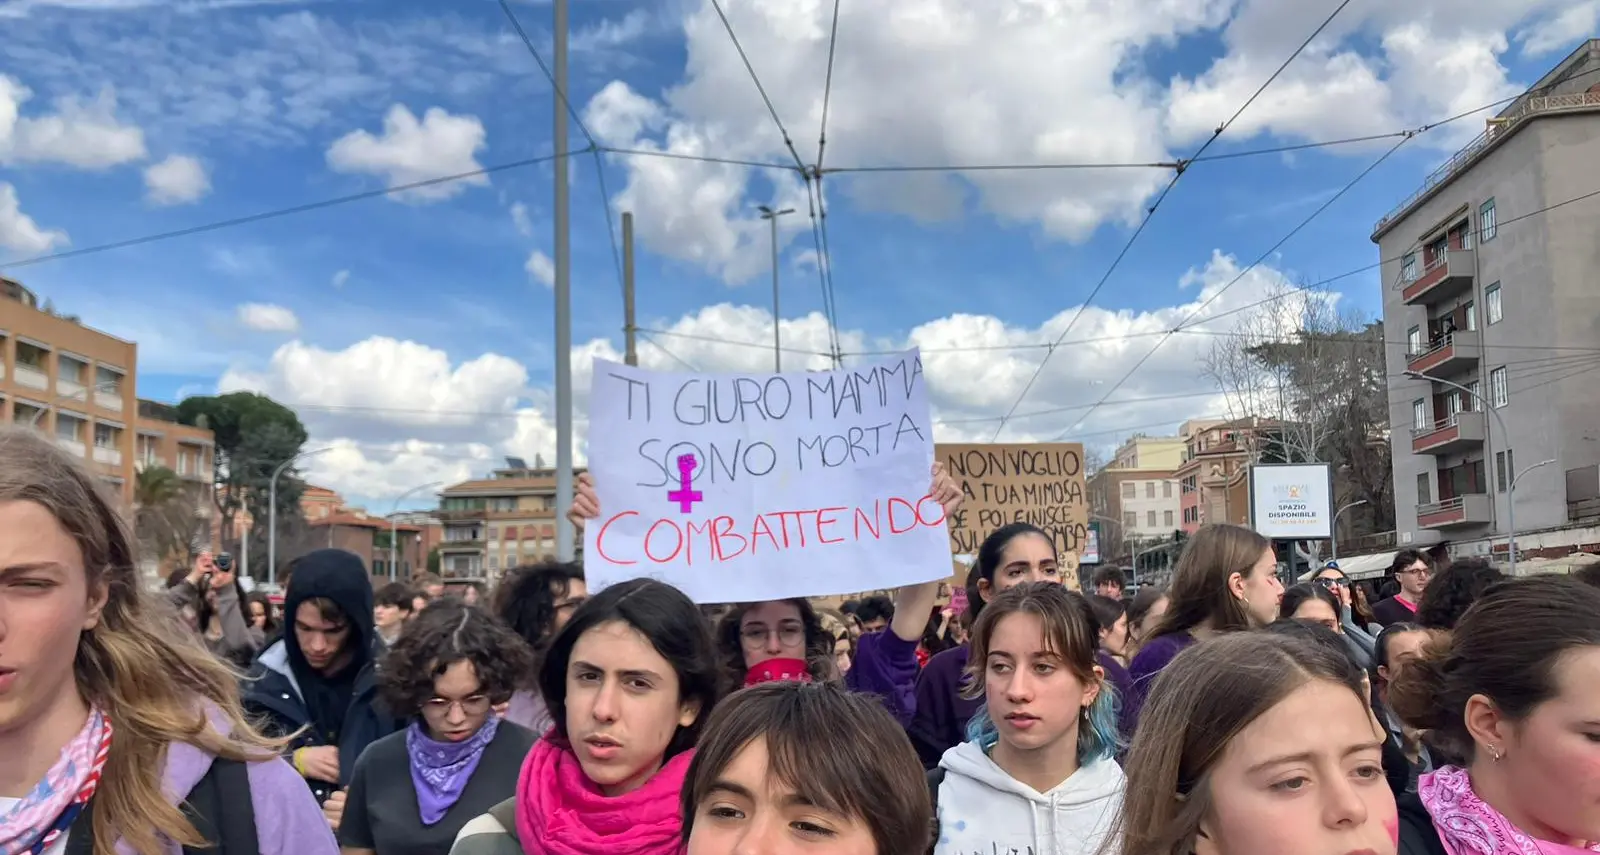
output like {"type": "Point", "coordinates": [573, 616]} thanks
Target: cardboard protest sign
{"type": "Point", "coordinates": [736, 488]}
{"type": "Point", "coordinates": [1040, 483]}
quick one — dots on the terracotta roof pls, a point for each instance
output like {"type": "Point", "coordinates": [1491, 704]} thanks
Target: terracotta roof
{"type": "Point", "coordinates": [357, 521]}
{"type": "Point", "coordinates": [490, 486]}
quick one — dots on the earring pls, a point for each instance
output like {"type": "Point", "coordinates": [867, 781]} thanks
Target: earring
{"type": "Point", "coordinates": [1494, 752]}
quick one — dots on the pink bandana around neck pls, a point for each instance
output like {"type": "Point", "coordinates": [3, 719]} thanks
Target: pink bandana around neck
{"type": "Point", "coordinates": [1467, 826]}
{"type": "Point", "coordinates": [49, 809]}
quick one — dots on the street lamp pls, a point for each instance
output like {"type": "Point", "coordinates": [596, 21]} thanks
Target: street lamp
{"type": "Point", "coordinates": [1505, 436]}
{"type": "Point", "coordinates": [772, 216]}
{"type": "Point", "coordinates": [1357, 503]}
{"type": "Point", "coordinates": [394, 522]}
{"type": "Point", "coordinates": [272, 510]}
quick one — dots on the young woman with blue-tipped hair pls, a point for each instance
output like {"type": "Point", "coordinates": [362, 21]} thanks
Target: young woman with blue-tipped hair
{"type": "Point", "coordinates": [1037, 772]}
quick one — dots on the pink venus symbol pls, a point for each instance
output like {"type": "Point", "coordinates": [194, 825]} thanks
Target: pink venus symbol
{"type": "Point", "coordinates": [684, 496]}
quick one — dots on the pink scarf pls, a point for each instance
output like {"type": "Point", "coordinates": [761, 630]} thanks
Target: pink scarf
{"type": "Point", "coordinates": [50, 808]}
{"type": "Point", "coordinates": [1467, 826]}
{"type": "Point", "coordinates": [778, 669]}
{"type": "Point", "coordinates": [560, 812]}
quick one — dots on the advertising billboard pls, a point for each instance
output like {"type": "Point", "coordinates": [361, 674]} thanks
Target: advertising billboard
{"type": "Point", "coordinates": [1292, 501]}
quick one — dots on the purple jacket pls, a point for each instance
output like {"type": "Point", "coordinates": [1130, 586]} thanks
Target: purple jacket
{"type": "Point", "coordinates": [886, 666]}
{"type": "Point", "coordinates": [940, 720]}
{"type": "Point", "coordinates": [288, 821]}
{"type": "Point", "coordinates": [1147, 663]}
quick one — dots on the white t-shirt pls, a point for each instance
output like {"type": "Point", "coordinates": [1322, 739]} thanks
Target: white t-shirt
{"type": "Point", "coordinates": [59, 847]}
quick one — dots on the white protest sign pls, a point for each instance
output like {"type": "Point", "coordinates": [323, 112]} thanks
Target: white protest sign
{"type": "Point", "coordinates": [747, 487]}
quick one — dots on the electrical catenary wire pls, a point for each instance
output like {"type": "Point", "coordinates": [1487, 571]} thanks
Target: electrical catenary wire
{"type": "Point", "coordinates": [1150, 212]}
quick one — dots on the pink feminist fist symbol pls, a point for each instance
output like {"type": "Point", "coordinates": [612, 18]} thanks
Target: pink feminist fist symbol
{"type": "Point", "coordinates": [684, 496]}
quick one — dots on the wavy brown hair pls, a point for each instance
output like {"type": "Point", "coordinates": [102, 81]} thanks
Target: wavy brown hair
{"type": "Point", "coordinates": [153, 677]}
{"type": "Point", "coordinates": [730, 648]}
{"type": "Point", "coordinates": [446, 632]}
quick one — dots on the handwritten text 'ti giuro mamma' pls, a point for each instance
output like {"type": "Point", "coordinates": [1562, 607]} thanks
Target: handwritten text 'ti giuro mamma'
{"type": "Point", "coordinates": [736, 400]}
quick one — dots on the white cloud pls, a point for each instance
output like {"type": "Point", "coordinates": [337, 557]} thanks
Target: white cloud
{"type": "Point", "coordinates": [1562, 29]}
{"type": "Point", "coordinates": [266, 317]}
{"type": "Point", "coordinates": [520, 219]}
{"type": "Point", "coordinates": [18, 231]}
{"type": "Point", "coordinates": [178, 180]}
{"type": "Point", "coordinates": [340, 278]}
{"type": "Point", "coordinates": [405, 413]}
{"type": "Point", "coordinates": [541, 268]}
{"type": "Point", "coordinates": [410, 150]}
{"type": "Point", "coordinates": [83, 135]}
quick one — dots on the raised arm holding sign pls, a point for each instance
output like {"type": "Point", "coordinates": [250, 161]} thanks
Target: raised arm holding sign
{"type": "Point", "coordinates": [738, 488]}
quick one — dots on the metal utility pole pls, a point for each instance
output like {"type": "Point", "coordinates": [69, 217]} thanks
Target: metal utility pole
{"type": "Point", "coordinates": [772, 216]}
{"type": "Point", "coordinates": [630, 326]}
{"type": "Point", "coordinates": [272, 512]}
{"type": "Point", "coordinates": [394, 521]}
{"type": "Point", "coordinates": [563, 288]}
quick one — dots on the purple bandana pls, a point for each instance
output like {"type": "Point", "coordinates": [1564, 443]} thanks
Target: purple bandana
{"type": "Point", "coordinates": [440, 770]}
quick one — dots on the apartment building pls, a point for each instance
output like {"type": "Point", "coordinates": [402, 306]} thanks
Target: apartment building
{"type": "Point", "coordinates": [1216, 456]}
{"type": "Point", "coordinates": [499, 522]}
{"type": "Point", "coordinates": [73, 382]}
{"type": "Point", "coordinates": [159, 440]}
{"type": "Point", "coordinates": [1490, 287]}
{"type": "Point", "coordinates": [1135, 499]}
{"type": "Point", "coordinates": [370, 537]}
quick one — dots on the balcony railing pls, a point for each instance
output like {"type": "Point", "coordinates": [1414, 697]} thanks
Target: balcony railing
{"type": "Point", "coordinates": [1458, 350]}
{"type": "Point", "coordinates": [110, 456]}
{"type": "Point", "coordinates": [1468, 509]}
{"type": "Point", "coordinates": [109, 400]}
{"type": "Point", "coordinates": [1502, 126]}
{"type": "Point", "coordinates": [31, 377]}
{"type": "Point", "coordinates": [1446, 276]}
{"type": "Point", "coordinates": [1456, 432]}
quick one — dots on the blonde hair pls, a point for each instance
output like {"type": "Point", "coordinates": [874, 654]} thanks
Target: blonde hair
{"type": "Point", "coordinates": [138, 664]}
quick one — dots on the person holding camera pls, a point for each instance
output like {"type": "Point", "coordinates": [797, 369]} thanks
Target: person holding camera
{"type": "Point", "coordinates": [210, 599]}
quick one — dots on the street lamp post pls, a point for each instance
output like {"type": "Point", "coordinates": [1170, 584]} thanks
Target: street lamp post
{"type": "Point", "coordinates": [772, 216]}
{"type": "Point", "coordinates": [394, 522]}
{"type": "Point", "coordinates": [1357, 503]}
{"type": "Point", "coordinates": [272, 510]}
{"type": "Point", "coordinates": [1505, 437]}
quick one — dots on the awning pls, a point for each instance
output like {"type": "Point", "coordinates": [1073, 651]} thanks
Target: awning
{"type": "Point", "coordinates": [1361, 566]}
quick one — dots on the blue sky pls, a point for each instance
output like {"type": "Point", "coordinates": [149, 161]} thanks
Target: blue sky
{"type": "Point", "coordinates": [415, 334]}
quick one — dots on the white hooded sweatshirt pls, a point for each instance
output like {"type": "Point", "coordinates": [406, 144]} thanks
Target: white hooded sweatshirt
{"type": "Point", "coordinates": [983, 810]}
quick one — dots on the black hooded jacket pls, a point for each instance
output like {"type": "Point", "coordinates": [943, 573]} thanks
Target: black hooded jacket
{"type": "Point", "coordinates": [338, 709]}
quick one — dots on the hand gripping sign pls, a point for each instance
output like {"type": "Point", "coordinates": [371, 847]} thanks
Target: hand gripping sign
{"type": "Point", "coordinates": [741, 487]}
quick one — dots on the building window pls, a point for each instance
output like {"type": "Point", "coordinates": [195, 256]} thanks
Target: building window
{"type": "Point", "coordinates": [1130, 490]}
{"type": "Point", "coordinates": [1486, 220]}
{"type": "Point", "coordinates": [1414, 341]}
{"type": "Point", "coordinates": [1419, 414]}
{"type": "Point", "coordinates": [1149, 519]}
{"type": "Point", "coordinates": [1471, 312]}
{"type": "Point", "coordinates": [1130, 520]}
{"type": "Point", "coordinates": [1149, 489]}
{"type": "Point", "coordinates": [1503, 470]}
{"type": "Point", "coordinates": [1408, 268]}
{"type": "Point", "coordinates": [1424, 495]}
{"type": "Point", "coordinates": [1166, 489]}
{"type": "Point", "coordinates": [494, 533]}
{"type": "Point", "coordinates": [1493, 311]}
{"type": "Point", "coordinates": [1499, 395]}
{"type": "Point", "coordinates": [1166, 519]}
{"type": "Point", "coordinates": [1476, 389]}
{"type": "Point", "coordinates": [105, 436]}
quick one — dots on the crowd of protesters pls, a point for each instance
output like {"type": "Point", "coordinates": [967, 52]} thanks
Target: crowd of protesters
{"type": "Point", "coordinates": [1224, 716]}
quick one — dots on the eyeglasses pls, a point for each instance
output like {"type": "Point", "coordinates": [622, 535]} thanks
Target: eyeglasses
{"type": "Point", "coordinates": [756, 635]}
{"type": "Point", "coordinates": [470, 705]}
{"type": "Point", "coordinates": [1419, 571]}
{"type": "Point", "coordinates": [1332, 582]}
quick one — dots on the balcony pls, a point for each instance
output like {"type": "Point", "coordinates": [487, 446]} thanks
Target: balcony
{"type": "Point", "coordinates": [69, 389]}
{"type": "Point", "coordinates": [473, 546]}
{"type": "Point", "coordinates": [30, 377]}
{"type": "Point", "coordinates": [1449, 275]}
{"type": "Point", "coordinates": [111, 400]}
{"type": "Point", "coordinates": [1471, 509]}
{"type": "Point", "coordinates": [108, 456]}
{"type": "Point", "coordinates": [467, 514]}
{"type": "Point", "coordinates": [72, 446]}
{"type": "Point", "coordinates": [1453, 353]}
{"type": "Point", "coordinates": [1460, 432]}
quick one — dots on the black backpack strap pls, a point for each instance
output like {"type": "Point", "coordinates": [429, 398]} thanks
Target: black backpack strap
{"type": "Point", "coordinates": [220, 808]}
{"type": "Point", "coordinates": [505, 813]}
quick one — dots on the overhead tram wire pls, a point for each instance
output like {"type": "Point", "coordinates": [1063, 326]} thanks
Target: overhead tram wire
{"type": "Point", "coordinates": [824, 265]}
{"type": "Point", "coordinates": [1150, 212]}
{"type": "Point", "coordinates": [280, 212]}
{"type": "Point", "coordinates": [825, 258]}
{"type": "Point", "coordinates": [827, 88]}
{"type": "Point", "coordinates": [1253, 265]}
{"type": "Point", "coordinates": [661, 347]}
{"type": "Point", "coordinates": [594, 145]}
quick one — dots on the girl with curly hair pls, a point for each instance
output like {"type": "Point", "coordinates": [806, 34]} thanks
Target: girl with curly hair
{"type": "Point", "coordinates": [412, 792]}
{"type": "Point", "coordinates": [121, 734]}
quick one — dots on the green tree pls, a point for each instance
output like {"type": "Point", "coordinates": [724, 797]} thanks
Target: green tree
{"type": "Point", "coordinates": [433, 561]}
{"type": "Point", "coordinates": [165, 519]}
{"type": "Point", "coordinates": [254, 435]}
